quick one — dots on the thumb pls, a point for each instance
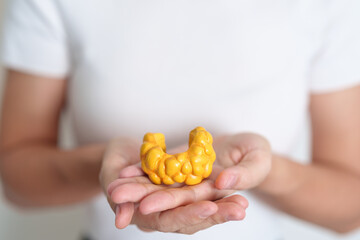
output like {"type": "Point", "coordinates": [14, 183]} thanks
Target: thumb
{"type": "Point", "coordinates": [248, 173]}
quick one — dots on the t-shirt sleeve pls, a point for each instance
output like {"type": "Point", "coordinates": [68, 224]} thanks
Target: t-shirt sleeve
{"type": "Point", "coordinates": [337, 65]}
{"type": "Point", "coordinates": [34, 38]}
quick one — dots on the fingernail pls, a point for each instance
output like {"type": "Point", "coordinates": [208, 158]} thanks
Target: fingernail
{"type": "Point", "coordinates": [230, 182]}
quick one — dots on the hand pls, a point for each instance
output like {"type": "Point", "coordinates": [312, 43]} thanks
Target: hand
{"type": "Point", "coordinates": [119, 154]}
{"type": "Point", "coordinates": [246, 159]}
{"type": "Point", "coordinates": [185, 209]}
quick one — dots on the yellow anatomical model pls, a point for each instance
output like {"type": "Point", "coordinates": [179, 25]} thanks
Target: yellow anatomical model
{"type": "Point", "coordinates": [190, 167]}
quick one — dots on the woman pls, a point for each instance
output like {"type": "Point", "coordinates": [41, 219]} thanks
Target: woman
{"type": "Point", "coordinates": [124, 68]}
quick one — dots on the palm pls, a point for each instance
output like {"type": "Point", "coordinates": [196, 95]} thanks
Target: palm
{"type": "Point", "coordinates": [243, 161]}
{"type": "Point", "coordinates": [183, 209]}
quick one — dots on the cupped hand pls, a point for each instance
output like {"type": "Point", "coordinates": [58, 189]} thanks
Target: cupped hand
{"type": "Point", "coordinates": [119, 154]}
{"type": "Point", "coordinates": [245, 159]}
{"type": "Point", "coordinates": [181, 209]}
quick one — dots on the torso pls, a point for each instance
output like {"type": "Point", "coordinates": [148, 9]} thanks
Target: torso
{"type": "Point", "coordinates": [169, 66]}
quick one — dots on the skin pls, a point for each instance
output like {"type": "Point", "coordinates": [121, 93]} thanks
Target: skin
{"type": "Point", "coordinates": [325, 192]}
{"type": "Point", "coordinates": [188, 208]}
{"type": "Point", "coordinates": [36, 173]}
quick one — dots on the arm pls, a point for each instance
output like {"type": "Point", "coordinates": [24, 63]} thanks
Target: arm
{"type": "Point", "coordinates": [34, 171]}
{"type": "Point", "coordinates": [327, 191]}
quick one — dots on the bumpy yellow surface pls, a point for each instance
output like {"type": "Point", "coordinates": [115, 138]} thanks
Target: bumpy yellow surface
{"type": "Point", "coordinates": [190, 167]}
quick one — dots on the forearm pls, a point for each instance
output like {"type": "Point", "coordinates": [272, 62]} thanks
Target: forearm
{"type": "Point", "coordinates": [43, 175]}
{"type": "Point", "coordinates": [316, 193]}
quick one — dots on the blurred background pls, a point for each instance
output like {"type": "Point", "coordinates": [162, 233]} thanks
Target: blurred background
{"type": "Point", "coordinates": [66, 223]}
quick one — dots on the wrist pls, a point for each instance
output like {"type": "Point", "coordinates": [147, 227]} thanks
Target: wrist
{"type": "Point", "coordinates": [92, 163]}
{"type": "Point", "coordinates": [284, 177]}
{"type": "Point", "coordinates": [84, 166]}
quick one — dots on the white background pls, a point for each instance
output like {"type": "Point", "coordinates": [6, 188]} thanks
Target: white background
{"type": "Point", "coordinates": [65, 223]}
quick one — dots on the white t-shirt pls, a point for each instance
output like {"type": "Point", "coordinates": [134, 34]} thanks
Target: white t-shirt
{"type": "Point", "coordinates": [137, 66]}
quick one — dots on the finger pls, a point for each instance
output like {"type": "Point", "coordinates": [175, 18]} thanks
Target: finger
{"type": "Point", "coordinates": [189, 215]}
{"type": "Point", "coordinates": [133, 192]}
{"type": "Point", "coordinates": [145, 229]}
{"type": "Point", "coordinates": [123, 215]}
{"type": "Point", "coordinates": [236, 198]}
{"type": "Point", "coordinates": [248, 173]}
{"type": "Point", "coordinates": [169, 198]}
{"type": "Point", "coordinates": [120, 181]}
{"type": "Point", "coordinates": [240, 201]}
{"type": "Point", "coordinates": [175, 219]}
{"type": "Point", "coordinates": [229, 209]}
{"type": "Point", "coordinates": [216, 170]}
{"type": "Point", "coordinates": [231, 149]}
{"type": "Point", "coordinates": [131, 171]}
